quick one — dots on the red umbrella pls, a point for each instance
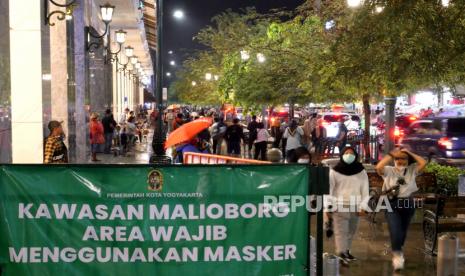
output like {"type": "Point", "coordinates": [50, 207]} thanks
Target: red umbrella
{"type": "Point", "coordinates": [187, 131]}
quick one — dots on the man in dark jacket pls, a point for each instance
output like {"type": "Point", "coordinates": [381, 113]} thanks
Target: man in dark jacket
{"type": "Point", "coordinates": [252, 127]}
{"type": "Point", "coordinates": [109, 125]}
{"type": "Point", "coordinates": [234, 134]}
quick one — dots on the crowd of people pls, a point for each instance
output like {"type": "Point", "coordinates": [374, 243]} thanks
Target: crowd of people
{"type": "Point", "coordinates": [106, 135]}
{"type": "Point", "coordinates": [253, 138]}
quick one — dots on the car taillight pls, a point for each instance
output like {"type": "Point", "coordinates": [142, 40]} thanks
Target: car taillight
{"type": "Point", "coordinates": [445, 143]}
{"type": "Point", "coordinates": [412, 118]}
{"type": "Point", "coordinates": [398, 132]}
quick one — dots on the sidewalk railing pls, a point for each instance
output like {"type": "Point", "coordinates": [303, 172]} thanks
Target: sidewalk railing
{"type": "Point", "coordinates": [202, 158]}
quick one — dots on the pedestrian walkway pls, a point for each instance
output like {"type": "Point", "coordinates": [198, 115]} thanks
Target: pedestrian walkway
{"type": "Point", "coordinates": [371, 246]}
{"type": "Point", "coordinates": [140, 154]}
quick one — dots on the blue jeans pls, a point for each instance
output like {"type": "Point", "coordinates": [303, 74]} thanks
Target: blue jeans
{"type": "Point", "coordinates": [398, 221]}
{"type": "Point", "coordinates": [108, 142]}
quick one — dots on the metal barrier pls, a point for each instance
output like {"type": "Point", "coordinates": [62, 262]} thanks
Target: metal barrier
{"type": "Point", "coordinates": [202, 158]}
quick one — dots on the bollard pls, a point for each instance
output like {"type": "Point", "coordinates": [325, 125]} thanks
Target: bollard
{"type": "Point", "coordinates": [448, 249]}
{"type": "Point", "coordinates": [461, 185]}
{"type": "Point", "coordinates": [330, 265]}
{"type": "Point", "coordinates": [274, 155]}
{"type": "Point", "coordinates": [312, 256]}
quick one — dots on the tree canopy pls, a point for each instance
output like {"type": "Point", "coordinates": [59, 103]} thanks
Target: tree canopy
{"type": "Point", "coordinates": [326, 53]}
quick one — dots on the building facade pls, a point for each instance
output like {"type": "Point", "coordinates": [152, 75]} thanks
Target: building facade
{"type": "Point", "coordinates": [52, 69]}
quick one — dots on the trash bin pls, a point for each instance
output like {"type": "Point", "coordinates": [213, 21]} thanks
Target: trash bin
{"type": "Point", "coordinates": [461, 187]}
{"type": "Point", "coordinates": [448, 250]}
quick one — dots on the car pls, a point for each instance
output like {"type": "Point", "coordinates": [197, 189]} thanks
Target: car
{"type": "Point", "coordinates": [442, 139]}
{"type": "Point", "coordinates": [403, 122]}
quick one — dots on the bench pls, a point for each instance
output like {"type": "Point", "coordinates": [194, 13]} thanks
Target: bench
{"type": "Point", "coordinates": [426, 183]}
{"type": "Point", "coordinates": [441, 217]}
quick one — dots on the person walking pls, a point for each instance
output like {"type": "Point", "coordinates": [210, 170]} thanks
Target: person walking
{"type": "Point", "coordinates": [109, 125]}
{"type": "Point", "coordinates": [55, 151]}
{"type": "Point", "coordinates": [218, 130]}
{"type": "Point", "coordinates": [261, 142]}
{"type": "Point", "coordinates": [349, 194]}
{"type": "Point", "coordinates": [399, 186]}
{"type": "Point", "coordinates": [234, 134]}
{"type": "Point", "coordinates": [293, 135]}
{"type": "Point", "coordinates": [252, 127]}
{"type": "Point", "coordinates": [96, 135]}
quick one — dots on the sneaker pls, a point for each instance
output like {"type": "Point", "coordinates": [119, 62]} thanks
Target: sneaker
{"type": "Point", "coordinates": [344, 259]}
{"type": "Point", "coordinates": [350, 257]}
{"type": "Point", "coordinates": [398, 261]}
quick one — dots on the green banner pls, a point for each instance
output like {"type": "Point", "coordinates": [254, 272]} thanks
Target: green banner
{"type": "Point", "coordinates": [140, 220]}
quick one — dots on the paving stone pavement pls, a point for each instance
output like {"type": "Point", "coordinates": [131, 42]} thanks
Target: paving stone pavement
{"type": "Point", "coordinates": [371, 246]}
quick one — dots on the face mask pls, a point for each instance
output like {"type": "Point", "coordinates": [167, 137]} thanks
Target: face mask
{"type": "Point", "coordinates": [303, 161]}
{"type": "Point", "coordinates": [348, 158]}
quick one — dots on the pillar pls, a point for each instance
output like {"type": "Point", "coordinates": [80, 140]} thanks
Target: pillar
{"type": "Point", "coordinates": [26, 81]}
{"type": "Point", "coordinates": [59, 72]}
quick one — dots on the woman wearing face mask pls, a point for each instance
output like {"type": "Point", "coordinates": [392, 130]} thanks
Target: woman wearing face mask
{"type": "Point", "coordinates": [399, 184]}
{"type": "Point", "coordinates": [349, 187]}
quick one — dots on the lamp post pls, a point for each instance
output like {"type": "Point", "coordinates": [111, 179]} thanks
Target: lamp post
{"type": "Point", "coordinates": [158, 143]}
{"type": "Point", "coordinates": [106, 12]}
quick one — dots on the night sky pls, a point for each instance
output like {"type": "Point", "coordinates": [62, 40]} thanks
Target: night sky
{"type": "Point", "coordinates": [198, 13]}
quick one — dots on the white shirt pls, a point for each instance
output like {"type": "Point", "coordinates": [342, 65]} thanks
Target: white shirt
{"type": "Point", "coordinates": [391, 175]}
{"type": "Point", "coordinates": [349, 190]}
{"type": "Point", "coordinates": [123, 118]}
{"type": "Point", "coordinates": [293, 141]}
{"type": "Point", "coordinates": [262, 135]}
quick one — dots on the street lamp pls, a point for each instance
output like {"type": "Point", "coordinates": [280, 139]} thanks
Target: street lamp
{"type": "Point", "coordinates": [178, 14]}
{"type": "Point", "coordinates": [379, 9]}
{"type": "Point", "coordinates": [68, 14]}
{"type": "Point", "coordinates": [216, 77]}
{"type": "Point", "coordinates": [134, 60]}
{"type": "Point", "coordinates": [194, 83]}
{"type": "Point", "coordinates": [445, 3]}
{"type": "Point", "coordinates": [129, 52]}
{"type": "Point", "coordinates": [245, 55]}
{"type": "Point", "coordinates": [354, 3]}
{"type": "Point", "coordinates": [120, 39]}
{"type": "Point", "coordinates": [172, 63]}
{"type": "Point", "coordinates": [106, 12]}
{"type": "Point", "coordinates": [170, 52]}
{"type": "Point", "coordinates": [261, 58]}
{"type": "Point", "coordinates": [208, 76]}
{"type": "Point", "coordinates": [168, 74]}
